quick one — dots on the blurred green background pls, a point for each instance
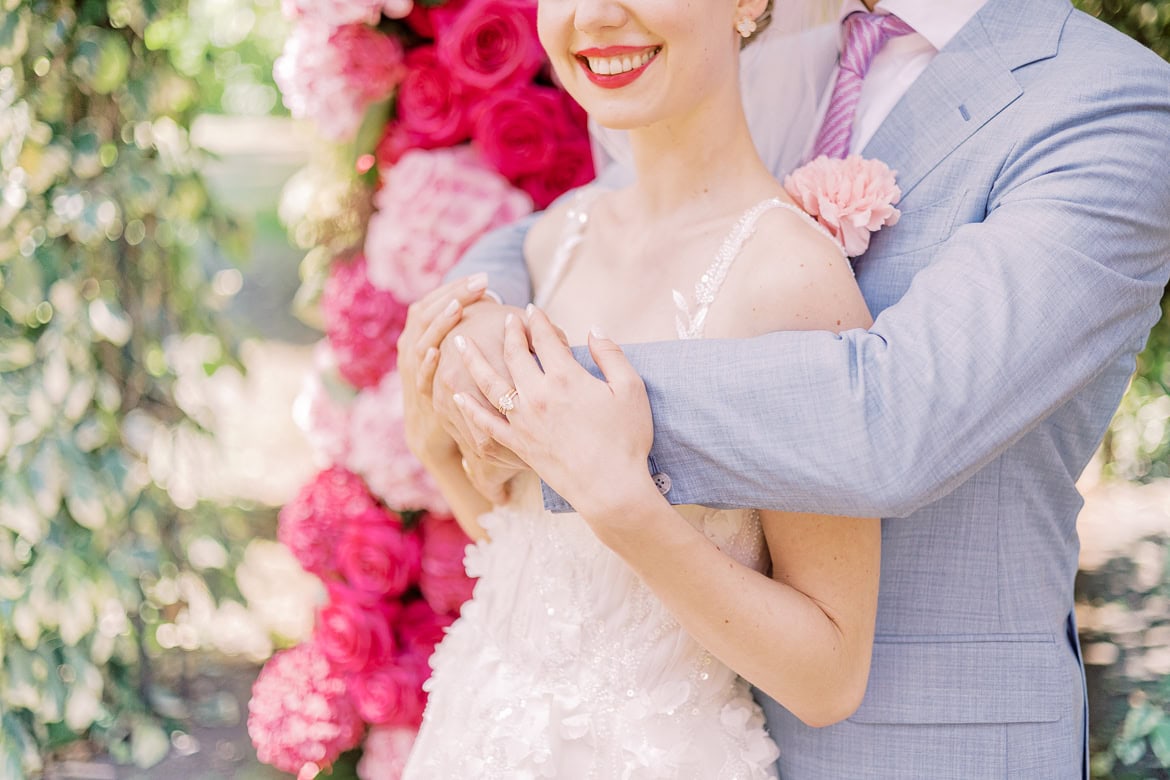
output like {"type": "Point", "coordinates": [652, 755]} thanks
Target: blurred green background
{"type": "Point", "coordinates": [148, 362]}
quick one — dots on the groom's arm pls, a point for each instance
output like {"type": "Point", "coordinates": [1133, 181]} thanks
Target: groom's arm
{"type": "Point", "coordinates": [1059, 284]}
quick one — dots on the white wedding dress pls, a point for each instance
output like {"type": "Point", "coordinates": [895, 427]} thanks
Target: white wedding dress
{"type": "Point", "coordinates": [565, 665]}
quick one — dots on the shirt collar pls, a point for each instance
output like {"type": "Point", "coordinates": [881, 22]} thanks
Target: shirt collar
{"type": "Point", "coordinates": [935, 21]}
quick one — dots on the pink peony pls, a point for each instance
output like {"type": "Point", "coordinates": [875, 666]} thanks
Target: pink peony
{"type": "Point", "coordinates": [321, 409]}
{"type": "Point", "coordinates": [851, 198]}
{"type": "Point", "coordinates": [391, 693]}
{"type": "Point", "coordinates": [353, 634]}
{"type": "Point", "coordinates": [378, 557]}
{"type": "Point", "coordinates": [432, 206]}
{"type": "Point", "coordinates": [300, 717]}
{"type": "Point", "coordinates": [362, 322]}
{"type": "Point", "coordinates": [312, 522]}
{"type": "Point", "coordinates": [488, 44]}
{"type": "Point", "coordinates": [313, 86]}
{"type": "Point", "coordinates": [571, 167]}
{"type": "Point", "coordinates": [443, 581]}
{"type": "Point", "coordinates": [370, 61]}
{"type": "Point", "coordinates": [379, 453]}
{"type": "Point", "coordinates": [385, 752]}
{"type": "Point", "coordinates": [431, 107]}
{"type": "Point", "coordinates": [419, 629]}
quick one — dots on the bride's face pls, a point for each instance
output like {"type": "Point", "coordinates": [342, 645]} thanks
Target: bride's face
{"type": "Point", "coordinates": [631, 63]}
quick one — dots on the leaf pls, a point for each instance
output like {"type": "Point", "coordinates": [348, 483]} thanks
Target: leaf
{"type": "Point", "coordinates": [149, 744]}
{"type": "Point", "coordinates": [1160, 743]}
{"type": "Point", "coordinates": [1141, 720]}
{"type": "Point", "coordinates": [1130, 752]}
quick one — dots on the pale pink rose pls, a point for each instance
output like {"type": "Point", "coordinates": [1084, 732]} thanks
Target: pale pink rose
{"type": "Point", "coordinates": [488, 44]}
{"type": "Point", "coordinates": [443, 581]}
{"type": "Point", "coordinates": [851, 198]}
{"type": "Point", "coordinates": [300, 716]}
{"type": "Point", "coordinates": [371, 61]}
{"type": "Point", "coordinates": [378, 557]}
{"type": "Point", "coordinates": [385, 751]}
{"type": "Point", "coordinates": [432, 206]}
{"type": "Point", "coordinates": [321, 409]}
{"type": "Point", "coordinates": [312, 85]}
{"type": "Point", "coordinates": [311, 523]}
{"type": "Point", "coordinates": [334, 13]}
{"type": "Point", "coordinates": [379, 453]}
{"type": "Point", "coordinates": [353, 634]}
{"type": "Point", "coordinates": [390, 693]}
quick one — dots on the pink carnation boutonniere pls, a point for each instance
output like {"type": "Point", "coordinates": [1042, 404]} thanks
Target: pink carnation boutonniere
{"type": "Point", "coordinates": [852, 198]}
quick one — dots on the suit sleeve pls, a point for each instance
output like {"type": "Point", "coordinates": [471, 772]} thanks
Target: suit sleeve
{"type": "Point", "coordinates": [1058, 284]}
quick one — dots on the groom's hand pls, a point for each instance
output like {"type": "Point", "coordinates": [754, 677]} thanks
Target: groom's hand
{"type": "Point", "coordinates": [489, 465]}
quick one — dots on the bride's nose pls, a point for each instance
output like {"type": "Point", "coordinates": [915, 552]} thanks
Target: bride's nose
{"type": "Point", "coordinates": [594, 15]}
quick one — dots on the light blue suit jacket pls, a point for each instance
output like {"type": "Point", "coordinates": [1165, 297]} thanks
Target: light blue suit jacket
{"type": "Point", "coordinates": [1010, 302]}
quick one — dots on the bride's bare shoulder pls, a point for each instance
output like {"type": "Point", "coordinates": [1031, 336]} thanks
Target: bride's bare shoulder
{"type": "Point", "coordinates": [799, 277]}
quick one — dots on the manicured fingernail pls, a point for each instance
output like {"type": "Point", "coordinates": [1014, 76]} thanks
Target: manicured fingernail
{"type": "Point", "coordinates": [529, 309]}
{"type": "Point", "coordinates": [597, 332]}
{"type": "Point", "coordinates": [452, 307]}
{"type": "Point", "coordinates": [460, 343]}
{"type": "Point", "coordinates": [431, 352]}
{"type": "Point", "coordinates": [477, 282]}
{"type": "Point", "coordinates": [508, 319]}
{"type": "Point", "coordinates": [458, 399]}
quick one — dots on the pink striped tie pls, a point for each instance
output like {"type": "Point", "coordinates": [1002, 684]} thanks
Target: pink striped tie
{"type": "Point", "coordinates": [865, 34]}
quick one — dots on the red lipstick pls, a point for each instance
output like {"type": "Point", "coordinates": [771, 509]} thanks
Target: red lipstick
{"type": "Point", "coordinates": [616, 80]}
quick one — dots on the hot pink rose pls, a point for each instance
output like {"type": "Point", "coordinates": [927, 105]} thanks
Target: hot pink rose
{"type": "Point", "coordinates": [518, 131]}
{"type": "Point", "coordinates": [378, 557]}
{"type": "Point", "coordinates": [851, 198]}
{"type": "Point", "coordinates": [385, 751]}
{"type": "Point", "coordinates": [444, 583]}
{"type": "Point", "coordinates": [379, 453]}
{"type": "Point", "coordinates": [300, 716]}
{"type": "Point", "coordinates": [370, 61]}
{"type": "Point", "coordinates": [389, 694]}
{"type": "Point", "coordinates": [420, 628]}
{"type": "Point", "coordinates": [571, 167]}
{"type": "Point", "coordinates": [490, 43]}
{"type": "Point", "coordinates": [353, 634]}
{"type": "Point", "coordinates": [431, 106]}
{"type": "Point", "coordinates": [312, 522]}
{"type": "Point", "coordinates": [432, 206]}
{"type": "Point", "coordinates": [362, 322]}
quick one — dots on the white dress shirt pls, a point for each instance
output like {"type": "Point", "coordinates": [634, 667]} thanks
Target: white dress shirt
{"type": "Point", "coordinates": [901, 60]}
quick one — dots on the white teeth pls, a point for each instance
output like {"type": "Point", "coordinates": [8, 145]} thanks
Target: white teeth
{"type": "Point", "coordinates": [611, 66]}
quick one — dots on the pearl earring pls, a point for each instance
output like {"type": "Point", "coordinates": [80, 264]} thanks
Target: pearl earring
{"type": "Point", "coordinates": [746, 26]}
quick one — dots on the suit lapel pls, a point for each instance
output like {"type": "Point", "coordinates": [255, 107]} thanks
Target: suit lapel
{"type": "Point", "coordinates": [967, 83]}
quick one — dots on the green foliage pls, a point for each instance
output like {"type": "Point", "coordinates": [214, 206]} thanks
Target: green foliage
{"type": "Point", "coordinates": [100, 290]}
{"type": "Point", "coordinates": [1138, 443]}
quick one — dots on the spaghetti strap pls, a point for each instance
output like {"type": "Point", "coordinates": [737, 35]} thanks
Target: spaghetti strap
{"type": "Point", "coordinates": [571, 235]}
{"type": "Point", "coordinates": [691, 322]}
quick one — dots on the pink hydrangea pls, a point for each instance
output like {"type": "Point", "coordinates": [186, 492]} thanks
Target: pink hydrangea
{"type": "Point", "coordinates": [379, 558]}
{"type": "Point", "coordinates": [300, 716]}
{"type": "Point", "coordinates": [335, 13]}
{"type": "Point", "coordinates": [432, 206]}
{"type": "Point", "coordinates": [852, 198]}
{"type": "Point", "coordinates": [443, 580]}
{"type": "Point", "coordinates": [379, 453]}
{"type": "Point", "coordinates": [385, 752]}
{"type": "Point", "coordinates": [313, 86]}
{"type": "Point", "coordinates": [362, 323]}
{"type": "Point", "coordinates": [321, 409]}
{"type": "Point", "coordinates": [311, 523]}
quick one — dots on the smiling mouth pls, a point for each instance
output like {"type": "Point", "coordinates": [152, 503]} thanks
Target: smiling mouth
{"type": "Point", "coordinates": [615, 66]}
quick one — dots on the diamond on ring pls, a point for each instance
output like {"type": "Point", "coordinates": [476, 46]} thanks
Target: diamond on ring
{"type": "Point", "coordinates": [507, 401]}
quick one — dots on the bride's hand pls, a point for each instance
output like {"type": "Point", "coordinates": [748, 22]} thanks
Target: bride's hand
{"type": "Point", "coordinates": [589, 439]}
{"type": "Point", "coordinates": [428, 321]}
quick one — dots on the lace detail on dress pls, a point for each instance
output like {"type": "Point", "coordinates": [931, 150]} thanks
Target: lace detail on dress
{"type": "Point", "coordinates": [690, 323]}
{"type": "Point", "coordinates": [572, 234]}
